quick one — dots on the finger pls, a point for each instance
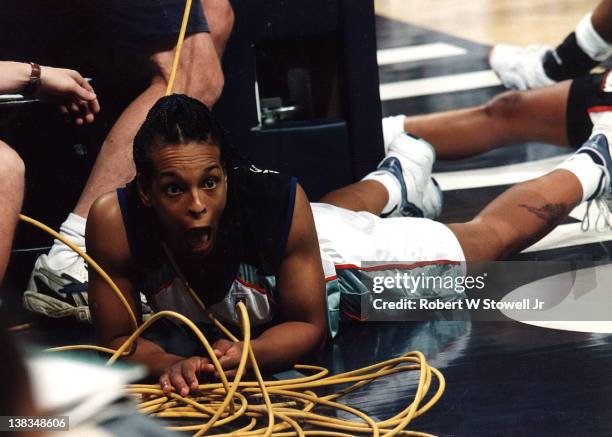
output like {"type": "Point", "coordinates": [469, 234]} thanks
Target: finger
{"type": "Point", "coordinates": [86, 112]}
{"type": "Point", "coordinates": [74, 108]}
{"type": "Point", "coordinates": [81, 88]}
{"type": "Point", "coordinates": [222, 346]}
{"type": "Point", "coordinates": [178, 382]}
{"type": "Point", "coordinates": [94, 106]}
{"type": "Point", "coordinates": [190, 376]}
{"type": "Point", "coordinates": [230, 373]}
{"type": "Point", "coordinates": [208, 368]}
{"type": "Point", "coordinates": [229, 361]}
{"type": "Point", "coordinates": [164, 383]}
{"type": "Point", "coordinates": [205, 365]}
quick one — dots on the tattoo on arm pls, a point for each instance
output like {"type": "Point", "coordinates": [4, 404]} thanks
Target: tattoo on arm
{"type": "Point", "coordinates": [551, 213]}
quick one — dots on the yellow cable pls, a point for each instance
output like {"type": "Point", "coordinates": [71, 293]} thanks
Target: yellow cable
{"type": "Point", "coordinates": [179, 46]}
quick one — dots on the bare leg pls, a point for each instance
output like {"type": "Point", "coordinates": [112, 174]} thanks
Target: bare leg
{"type": "Point", "coordinates": [510, 118]}
{"type": "Point", "coordinates": [220, 18]}
{"type": "Point", "coordinates": [371, 196]}
{"type": "Point", "coordinates": [199, 75]}
{"type": "Point", "coordinates": [519, 217]}
{"type": "Point", "coordinates": [602, 19]}
{"type": "Point", "coordinates": [12, 170]}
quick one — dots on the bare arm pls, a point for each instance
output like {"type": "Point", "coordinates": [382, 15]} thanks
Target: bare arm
{"type": "Point", "coordinates": [302, 300]}
{"type": "Point", "coordinates": [107, 245]}
{"type": "Point", "coordinates": [67, 88]}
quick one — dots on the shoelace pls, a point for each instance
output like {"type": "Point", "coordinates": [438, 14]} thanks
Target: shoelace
{"type": "Point", "coordinates": [603, 222]}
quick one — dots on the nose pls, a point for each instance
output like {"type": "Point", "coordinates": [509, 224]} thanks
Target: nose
{"type": "Point", "coordinates": [197, 206]}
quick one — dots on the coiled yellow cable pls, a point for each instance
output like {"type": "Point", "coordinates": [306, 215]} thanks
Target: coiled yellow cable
{"type": "Point", "coordinates": [205, 405]}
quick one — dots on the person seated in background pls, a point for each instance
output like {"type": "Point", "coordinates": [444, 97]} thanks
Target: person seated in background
{"type": "Point", "coordinates": [76, 100]}
{"type": "Point", "coordinates": [539, 66]}
{"type": "Point", "coordinates": [148, 30]}
{"type": "Point", "coordinates": [195, 221]}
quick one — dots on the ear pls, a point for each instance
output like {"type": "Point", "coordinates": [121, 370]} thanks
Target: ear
{"type": "Point", "coordinates": [143, 191]}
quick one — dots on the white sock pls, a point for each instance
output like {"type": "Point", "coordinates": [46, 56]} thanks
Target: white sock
{"type": "Point", "coordinates": [61, 256]}
{"type": "Point", "coordinates": [391, 184]}
{"type": "Point", "coordinates": [392, 127]}
{"type": "Point", "coordinates": [588, 173]}
{"type": "Point", "coordinates": [590, 42]}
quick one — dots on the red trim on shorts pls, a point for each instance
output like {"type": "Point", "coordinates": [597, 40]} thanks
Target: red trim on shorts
{"type": "Point", "coordinates": [398, 265]}
{"type": "Point", "coordinates": [354, 316]}
{"type": "Point", "coordinates": [331, 278]}
{"type": "Point", "coordinates": [253, 286]}
{"type": "Point", "coordinates": [600, 109]}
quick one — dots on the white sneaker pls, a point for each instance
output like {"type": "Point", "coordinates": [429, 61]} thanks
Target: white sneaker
{"type": "Point", "coordinates": [58, 293]}
{"type": "Point", "coordinates": [410, 161]}
{"type": "Point", "coordinates": [599, 146]}
{"type": "Point", "coordinates": [520, 67]}
{"type": "Point", "coordinates": [392, 127]}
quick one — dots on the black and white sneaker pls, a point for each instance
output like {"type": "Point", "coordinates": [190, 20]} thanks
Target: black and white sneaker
{"type": "Point", "coordinates": [410, 160]}
{"type": "Point", "coordinates": [600, 150]}
{"type": "Point", "coordinates": [56, 293]}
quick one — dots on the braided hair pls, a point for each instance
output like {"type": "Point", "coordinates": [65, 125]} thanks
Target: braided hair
{"type": "Point", "coordinates": [173, 120]}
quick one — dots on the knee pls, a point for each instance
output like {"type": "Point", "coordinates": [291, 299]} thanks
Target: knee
{"type": "Point", "coordinates": [11, 166]}
{"type": "Point", "coordinates": [199, 73]}
{"type": "Point", "coordinates": [505, 106]}
{"type": "Point", "coordinates": [224, 22]}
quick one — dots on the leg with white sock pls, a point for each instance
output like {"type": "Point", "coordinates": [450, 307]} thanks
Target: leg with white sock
{"type": "Point", "coordinates": [538, 66]}
{"type": "Point", "coordinates": [528, 211]}
{"type": "Point", "coordinates": [401, 186]}
{"type": "Point", "coordinates": [61, 256]}
{"type": "Point", "coordinates": [510, 118]}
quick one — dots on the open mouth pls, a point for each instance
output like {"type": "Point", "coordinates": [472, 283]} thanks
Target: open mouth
{"type": "Point", "coordinates": [198, 238]}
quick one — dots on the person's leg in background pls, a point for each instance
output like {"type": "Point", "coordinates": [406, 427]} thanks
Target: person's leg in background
{"type": "Point", "coordinates": [530, 210]}
{"type": "Point", "coordinates": [12, 171]}
{"type": "Point", "coordinates": [199, 75]}
{"type": "Point", "coordinates": [401, 186]}
{"type": "Point", "coordinates": [561, 114]}
{"type": "Point", "coordinates": [510, 118]}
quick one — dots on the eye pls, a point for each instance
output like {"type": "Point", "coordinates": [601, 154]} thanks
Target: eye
{"type": "Point", "coordinates": [172, 189]}
{"type": "Point", "coordinates": [210, 183]}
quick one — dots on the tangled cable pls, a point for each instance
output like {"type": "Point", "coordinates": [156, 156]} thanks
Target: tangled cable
{"type": "Point", "coordinates": [220, 404]}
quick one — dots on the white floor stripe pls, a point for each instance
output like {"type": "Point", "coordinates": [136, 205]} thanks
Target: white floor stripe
{"type": "Point", "coordinates": [567, 236]}
{"type": "Point", "coordinates": [493, 176]}
{"type": "Point", "coordinates": [418, 53]}
{"type": "Point", "coordinates": [438, 85]}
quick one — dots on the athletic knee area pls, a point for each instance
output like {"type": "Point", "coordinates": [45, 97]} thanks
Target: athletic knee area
{"type": "Point", "coordinates": [11, 164]}
{"type": "Point", "coordinates": [199, 73]}
{"type": "Point", "coordinates": [224, 17]}
{"type": "Point", "coordinates": [505, 106]}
